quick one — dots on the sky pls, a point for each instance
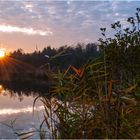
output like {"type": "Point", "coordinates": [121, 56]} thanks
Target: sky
{"type": "Point", "coordinates": [39, 23]}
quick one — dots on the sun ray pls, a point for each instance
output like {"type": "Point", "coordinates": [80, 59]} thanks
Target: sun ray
{"type": "Point", "coordinates": [21, 63]}
{"type": "Point", "coordinates": [10, 66]}
{"type": "Point", "coordinates": [4, 72]}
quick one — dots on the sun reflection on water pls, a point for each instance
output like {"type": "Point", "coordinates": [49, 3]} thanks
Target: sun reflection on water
{"type": "Point", "coordinates": [2, 90]}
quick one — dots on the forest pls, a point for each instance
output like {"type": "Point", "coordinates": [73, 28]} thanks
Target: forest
{"type": "Point", "coordinates": [34, 65]}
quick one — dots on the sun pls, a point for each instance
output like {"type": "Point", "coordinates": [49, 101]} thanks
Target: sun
{"type": "Point", "coordinates": [2, 53]}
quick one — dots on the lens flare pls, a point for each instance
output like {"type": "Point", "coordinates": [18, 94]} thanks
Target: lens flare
{"type": "Point", "coordinates": [2, 53]}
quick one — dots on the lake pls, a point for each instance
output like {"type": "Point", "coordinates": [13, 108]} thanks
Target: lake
{"type": "Point", "coordinates": [16, 112]}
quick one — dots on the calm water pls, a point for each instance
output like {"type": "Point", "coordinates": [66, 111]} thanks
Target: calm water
{"type": "Point", "coordinates": [18, 106]}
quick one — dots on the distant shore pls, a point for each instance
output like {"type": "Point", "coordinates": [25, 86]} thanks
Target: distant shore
{"type": "Point", "coordinates": [27, 85]}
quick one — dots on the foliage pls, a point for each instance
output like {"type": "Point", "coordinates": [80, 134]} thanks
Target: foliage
{"type": "Point", "coordinates": [76, 55]}
{"type": "Point", "coordinates": [85, 106]}
{"type": "Point", "coordinates": [122, 51]}
{"type": "Point", "coordinates": [100, 99]}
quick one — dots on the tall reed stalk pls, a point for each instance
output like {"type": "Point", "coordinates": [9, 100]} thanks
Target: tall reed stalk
{"type": "Point", "coordinates": [83, 105]}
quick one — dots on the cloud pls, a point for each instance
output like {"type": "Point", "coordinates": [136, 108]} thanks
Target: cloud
{"type": "Point", "coordinates": [10, 111]}
{"type": "Point", "coordinates": [29, 7]}
{"type": "Point", "coordinates": [30, 31]}
{"type": "Point", "coordinates": [69, 19]}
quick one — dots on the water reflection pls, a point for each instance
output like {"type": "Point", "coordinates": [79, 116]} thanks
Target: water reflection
{"type": "Point", "coordinates": [2, 90]}
{"type": "Point", "coordinates": [11, 111]}
{"type": "Point", "coordinates": [26, 88]}
{"type": "Point", "coordinates": [19, 104]}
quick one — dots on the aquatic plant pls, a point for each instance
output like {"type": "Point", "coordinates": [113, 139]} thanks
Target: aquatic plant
{"type": "Point", "coordinates": [100, 99]}
{"type": "Point", "coordinates": [87, 106]}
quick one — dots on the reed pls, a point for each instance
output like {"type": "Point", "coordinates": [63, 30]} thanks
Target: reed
{"type": "Point", "coordinates": [85, 103]}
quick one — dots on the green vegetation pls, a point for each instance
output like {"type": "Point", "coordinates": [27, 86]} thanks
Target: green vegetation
{"type": "Point", "coordinates": [89, 107]}
{"type": "Point", "coordinates": [100, 99]}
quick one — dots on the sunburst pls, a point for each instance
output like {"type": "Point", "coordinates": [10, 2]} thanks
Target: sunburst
{"type": "Point", "coordinates": [2, 53]}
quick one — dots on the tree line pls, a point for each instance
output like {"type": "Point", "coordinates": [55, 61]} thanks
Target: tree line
{"type": "Point", "coordinates": [21, 66]}
{"type": "Point", "coordinates": [69, 55]}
